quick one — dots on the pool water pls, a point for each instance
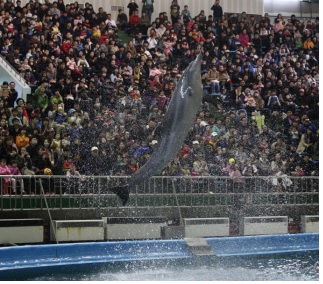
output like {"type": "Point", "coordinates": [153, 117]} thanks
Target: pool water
{"type": "Point", "coordinates": [291, 267]}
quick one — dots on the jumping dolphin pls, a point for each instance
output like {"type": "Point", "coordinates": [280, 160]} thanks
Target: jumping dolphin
{"type": "Point", "coordinates": [179, 117]}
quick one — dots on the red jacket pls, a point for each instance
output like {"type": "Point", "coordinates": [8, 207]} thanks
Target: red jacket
{"type": "Point", "coordinates": [244, 39]}
{"type": "Point", "coordinates": [102, 38]}
{"type": "Point", "coordinates": [66, 46]}
{"type": "Point", "coordinates": [134, 20]}
{"type": "Point", "coordinates": [186, 150]}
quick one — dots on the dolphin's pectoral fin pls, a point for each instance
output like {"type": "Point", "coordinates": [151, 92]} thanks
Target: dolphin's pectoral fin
{"type": "Point", "coordinates": [122, 192]}
{"type": "Point", "coordinates": [188, 92]}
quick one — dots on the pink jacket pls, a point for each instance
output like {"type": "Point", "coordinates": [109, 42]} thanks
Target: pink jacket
{"type": "Point", "coordinates": [229, 170]}
{"type": "Point", "coordinates": [4, 170]}
{"type": "Point", "coordinates": [14, 170]}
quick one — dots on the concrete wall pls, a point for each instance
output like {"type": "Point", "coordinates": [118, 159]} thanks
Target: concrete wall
{"type": "Point", "coordinates": [195, 6]}
{"type": "Point", "coordinates": [289, 7]}
{"type": "Point", "coordinates": [286, 7]}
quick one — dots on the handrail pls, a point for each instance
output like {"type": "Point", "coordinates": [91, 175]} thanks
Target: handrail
{"type": "Point", "coordinates": [48, 211]}
{"type": "Point", "coordinates": [86, 192]}
{"type": "Point", "coordinates": [13, 70]}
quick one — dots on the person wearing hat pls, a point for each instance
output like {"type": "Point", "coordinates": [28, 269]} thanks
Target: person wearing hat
{"type": "Point", "coordinates": [94, 164]}
{"type": "Point", "coordinates": [213, 139]}
{"type": "Point", "coordinates": [306, 124]}
{"type": "Point", "coordinates": [197, 148]}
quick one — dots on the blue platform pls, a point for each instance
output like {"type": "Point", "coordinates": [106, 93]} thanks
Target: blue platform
{"type": "Point", "coordinates": [37, 258]}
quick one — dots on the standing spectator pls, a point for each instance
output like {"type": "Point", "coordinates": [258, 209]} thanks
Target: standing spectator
{"type": "Point", "coordinates": [13, 95]}
{"type": "Point", "coordinates": [132, 6]}
{"type": "Point", "coordinates": [217, 11]}
{"type": "Point", "coordinates": [186, 14]}
{"type": "Point", "coordinates": [174, 11]}
{"type": "Point", "coordinates": [148, 8]}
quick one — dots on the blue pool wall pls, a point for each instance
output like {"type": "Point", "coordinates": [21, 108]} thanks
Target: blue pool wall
{"type": "Point", "coordinates": [73, 253]}
{"type": "Point", "coordinates": [264, 244]}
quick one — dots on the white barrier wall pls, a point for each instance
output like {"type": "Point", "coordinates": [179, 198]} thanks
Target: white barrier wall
{"type": "Point", "coordinates": [138, 228]}
{"type": "Point", "coordinates": [21, 231]}
{"type": "Point", "coordinates": [310, 224]}
{"type": "Point", "coordinates": [265, 225]}
{"type": "Point", "coordinates": [206, 227]}
{"type": "Point", "coordinates": [78, 230]}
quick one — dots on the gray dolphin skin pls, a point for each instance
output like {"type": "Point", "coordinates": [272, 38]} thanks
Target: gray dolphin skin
{"type": "Point", "coordinates": [179, 117]}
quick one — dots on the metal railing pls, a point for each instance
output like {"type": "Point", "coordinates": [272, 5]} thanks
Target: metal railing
{"type": "Point", "coordinates": [62, 192]}
{"type": "Point", "coordinates": [13, 71]}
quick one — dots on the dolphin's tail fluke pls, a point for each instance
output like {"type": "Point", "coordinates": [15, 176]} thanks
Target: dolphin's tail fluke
{"type": "Point", "coordinates": [122, 192]}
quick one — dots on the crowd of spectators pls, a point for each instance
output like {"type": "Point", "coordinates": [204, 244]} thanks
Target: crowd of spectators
{"type": "Point", "coordinates": [97, 103]}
